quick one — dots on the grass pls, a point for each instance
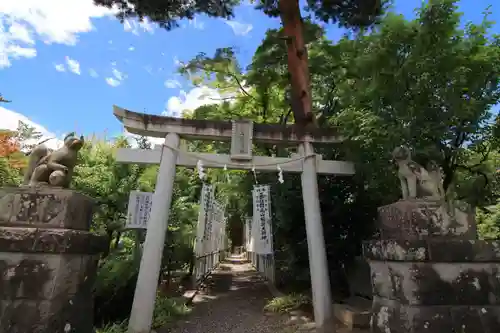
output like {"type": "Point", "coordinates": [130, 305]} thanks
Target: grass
{"type": "Point", "coordinates": [169, 309]}
{"type": "Point", "coordinates": [166, 310]}
{"type": "Point", "coordinates": [287, 303]}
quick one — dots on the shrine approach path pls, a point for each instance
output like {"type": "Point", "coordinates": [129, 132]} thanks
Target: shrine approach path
{"type": "Point", "coordinates": [232, 302]}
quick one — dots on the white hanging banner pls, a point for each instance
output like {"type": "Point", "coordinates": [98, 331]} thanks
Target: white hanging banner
{"type": "Point", "coordinates": [262, 218]}
{"type": "Point", "coordinates": [215, 224]}
{"type": "Point", "coordinates": [223, 234]}
{"type": "Point", "coordinates": [206, 202]}
{"type": "Point", "coordinates": [254, 226]}
{"type": "Point", "coordinates": [248, 233]}
{"type": "Point", "coordinates": [139, 210]}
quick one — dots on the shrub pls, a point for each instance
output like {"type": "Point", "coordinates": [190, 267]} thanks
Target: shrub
{"type": "Point", "coordinates": [287, 303]}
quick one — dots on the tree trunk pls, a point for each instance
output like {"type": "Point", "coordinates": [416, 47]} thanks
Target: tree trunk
{"type": "Point", "coordinates": [298, 65]}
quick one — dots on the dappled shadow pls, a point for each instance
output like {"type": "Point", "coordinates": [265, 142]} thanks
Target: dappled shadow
{"type": "Point", "coordinates": [231, 300]}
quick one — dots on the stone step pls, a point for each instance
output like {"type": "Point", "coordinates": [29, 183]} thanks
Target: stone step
{"type": "Point", "coordinates": [354, 313]}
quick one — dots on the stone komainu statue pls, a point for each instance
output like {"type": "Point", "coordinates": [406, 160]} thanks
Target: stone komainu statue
{"type": "Point", "coordinates": [54, 168]}
{"type": "Point", "coordinates": [417, 181]}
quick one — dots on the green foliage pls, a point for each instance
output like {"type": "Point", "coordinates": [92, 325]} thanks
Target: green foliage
{"type": "Point", "coordinates": [109, 183]}
{"type": "Point", "coordinates": [115, 272]}
{"type": "Point", "coordinates": [425, 82]}
{"type": "Point", "coordinates": [28, 136]}
{"type": "Point", "coordinates": [166, 310]}
{"type": "Point", "coordinates": [287, 303]}
{"type": "Point", "coordinates": [488, 220]}
{"type": "Point", "coordinates": [114, 328]}
{"type": "Point", "coordinates": [8, 175]}
{"type": "Point", "coordinates": [168, 13]}
{"type": "Point", "coordinates": [351, 13]}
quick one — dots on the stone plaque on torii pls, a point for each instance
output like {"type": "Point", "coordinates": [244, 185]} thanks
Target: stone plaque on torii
{"type": "Point", "coordinates": [242, 134]}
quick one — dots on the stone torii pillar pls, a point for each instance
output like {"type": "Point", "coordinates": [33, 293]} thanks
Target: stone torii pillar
{"type": "Point", "coordinates": [147, 280]}
{"type": "Point", "coordinates": [241, 133]}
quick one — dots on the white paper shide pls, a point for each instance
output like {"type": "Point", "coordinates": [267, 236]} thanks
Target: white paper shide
{"type": "Point", "coordinates": [139, 210]}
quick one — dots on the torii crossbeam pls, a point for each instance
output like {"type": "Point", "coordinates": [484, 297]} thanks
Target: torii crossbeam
{"type": "Point", "coordinates": [242, 134]}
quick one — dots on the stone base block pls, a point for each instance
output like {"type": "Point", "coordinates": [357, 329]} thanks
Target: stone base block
{"type": "Point", "coordinates": [435, 285]}
{"type": "Point", "coordinates": [354, 313]}
{"type": "Point", "coordinates": [421, 219]}
{"type": "Point", "coordinates": [394, 317]}
{"type": "Point", "coordinates": [46, 279]}
{"type": "Point", "coordinates": [430, 272]}
{"type": "Point", "coordinates": [45, 207]}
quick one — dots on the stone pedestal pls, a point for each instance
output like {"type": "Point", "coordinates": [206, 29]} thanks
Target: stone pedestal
{"type": "Point", "coordinates": [48, 261]}
{"type": "Point", "coordinates": [431, 274]}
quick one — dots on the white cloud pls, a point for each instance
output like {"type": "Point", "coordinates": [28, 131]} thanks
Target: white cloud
{"type": "Point", "coordinates": [60, 67]}
{"type": "Point", "coordinates": [133, 142]}
{"type": "Point", "coordinates": [196, 97]}
{"type": "Point", "coordinates": [135, 26]}
{"type": "Point", "coordinates": [10, 121]}
{"type": "Point", "coordinates": [112, 82]}
{"type": "Point", "coordinates": [172, 84]}
{"type": "Point", "coordinates": [15, 52]}
{"type": "Point", "coordinates": [118, 77]}
{"type": "Point", "coordinates": [52, 21]}
{"type": "Point", "coordinates": [131, 48]}
{"type": "Point", "coordinates": [239, 28]}
{"type": "Point", "coordinates": [21, 33]}
{"type": "Point", "coordinates": [187, 101]}
{"type": "Point", "coordinates": [93, 73]}
{"type": "Point", "coordinates": [73, 65]}
{"type": "Point", "coordinates": [13, 42]}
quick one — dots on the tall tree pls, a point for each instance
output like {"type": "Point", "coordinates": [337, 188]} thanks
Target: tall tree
{"type": "Point", "coordinates": [427, 83]}
{"type": "Point", "coordinates": [347, 13]}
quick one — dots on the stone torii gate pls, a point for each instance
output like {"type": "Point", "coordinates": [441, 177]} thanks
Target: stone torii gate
{"type": "Point", "coordinates": [241, 133]}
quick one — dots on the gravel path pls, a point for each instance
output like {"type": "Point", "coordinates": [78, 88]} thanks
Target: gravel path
{"type": "Point", "coordinates": [233, 302]}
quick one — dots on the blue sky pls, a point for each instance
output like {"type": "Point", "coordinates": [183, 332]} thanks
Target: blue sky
{"type": "Point", "coordinates": [64, 63]}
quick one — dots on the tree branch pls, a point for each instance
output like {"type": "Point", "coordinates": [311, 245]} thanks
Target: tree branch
{"type": "Point", "coordinates": [285, 119]}
{"type": "Point", "coordinates": [3, 100]}
{"type": "Point", "coordinates": [470, 169]}
{"type": "Point", "coordinates": [234, 76]}
{"type": "Point", "coordinates": [222, 99]}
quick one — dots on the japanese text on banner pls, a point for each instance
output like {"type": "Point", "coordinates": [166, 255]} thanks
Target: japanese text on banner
{"type": "Point", "coordinates": [139, 210]}
{"type": "Point", "coordinates": [262, 216]}
{"type": "Point", "coordinates": [203, 217]}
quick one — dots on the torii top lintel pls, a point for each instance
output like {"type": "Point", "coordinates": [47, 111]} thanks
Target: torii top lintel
{"type": "Point", "coordinates": [194, 129]}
